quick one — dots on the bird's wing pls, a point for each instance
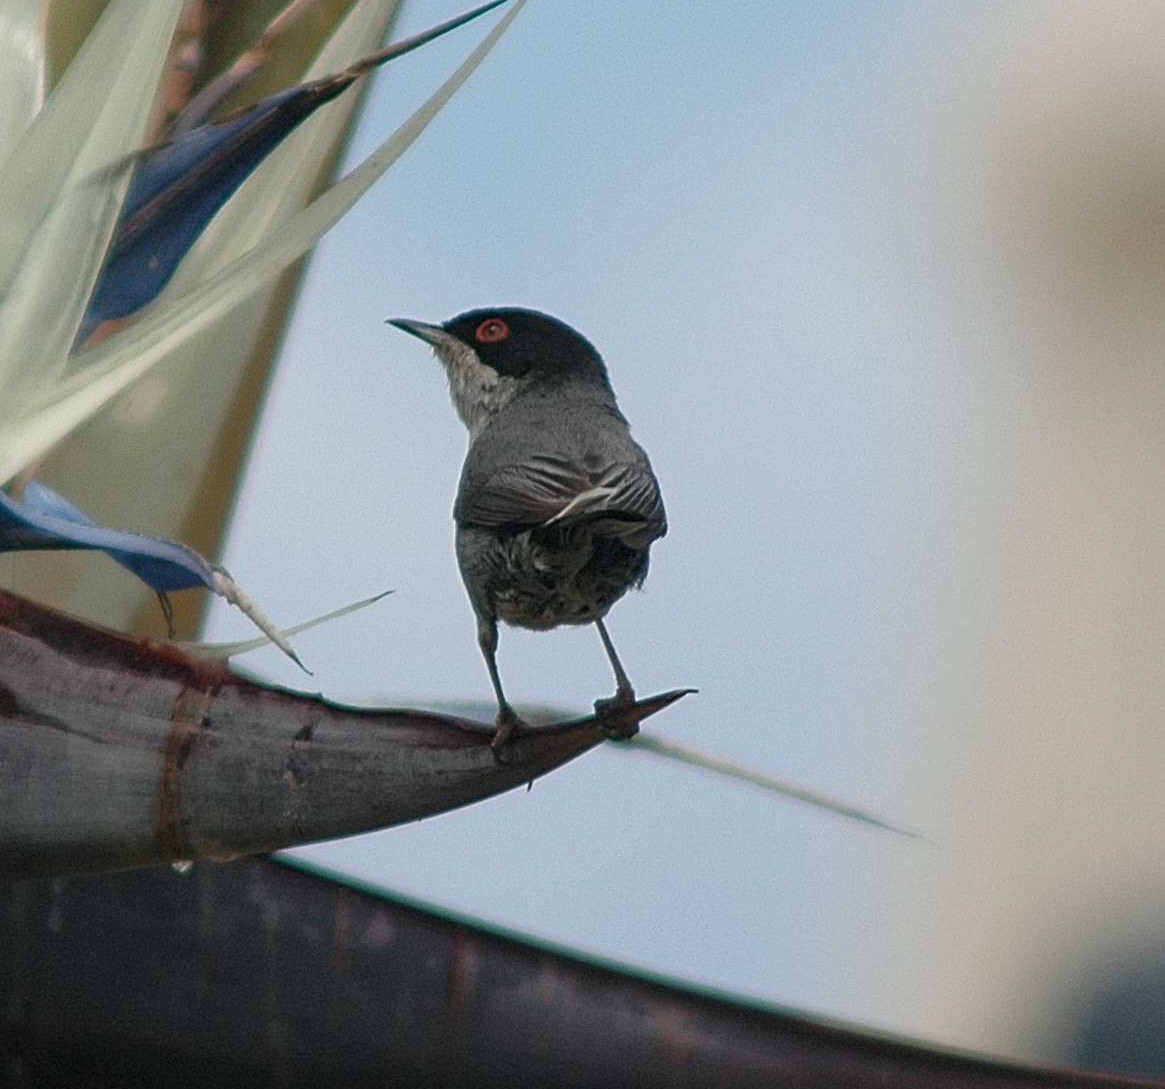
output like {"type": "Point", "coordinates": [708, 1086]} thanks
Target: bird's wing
{"type": "Point", "coordinates": [545, 489]}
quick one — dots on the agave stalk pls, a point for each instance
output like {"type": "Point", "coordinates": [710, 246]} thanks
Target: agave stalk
{"type": "Point", "coordinates": [119, 752]}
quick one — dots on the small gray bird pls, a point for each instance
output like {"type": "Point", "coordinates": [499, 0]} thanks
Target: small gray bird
{"type": "Point", "coordinates": [557, 506]}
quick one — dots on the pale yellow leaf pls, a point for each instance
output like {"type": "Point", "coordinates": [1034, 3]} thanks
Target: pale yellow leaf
{"type": "Point", "coordinates": [59, 215]}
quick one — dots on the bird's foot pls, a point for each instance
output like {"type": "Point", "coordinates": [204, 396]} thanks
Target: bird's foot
{"type": "Point", "coordinates": [507, 722]}
{"type": "Point", "coordinates": [611, 710]}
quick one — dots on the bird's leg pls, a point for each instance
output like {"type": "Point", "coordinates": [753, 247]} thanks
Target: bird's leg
{"type": "Point", "coordinates": [624, 693]}
{"type": "Point", "coordinates": [508, 719]}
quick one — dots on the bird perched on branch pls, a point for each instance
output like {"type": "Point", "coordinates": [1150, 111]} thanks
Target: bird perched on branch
{"type": "Point", "coordinates": [557, 506]}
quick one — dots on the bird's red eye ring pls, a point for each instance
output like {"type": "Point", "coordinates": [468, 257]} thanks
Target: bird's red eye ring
{"type": "Point", "coordinates": [491, 331]}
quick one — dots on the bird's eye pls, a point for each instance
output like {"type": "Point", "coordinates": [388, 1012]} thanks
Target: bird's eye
{"type": "Point", "coordinates": [491, 331]}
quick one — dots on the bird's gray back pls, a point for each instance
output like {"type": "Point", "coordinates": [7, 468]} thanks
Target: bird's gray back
{"type": "Point", "coordinates": [551, 457]}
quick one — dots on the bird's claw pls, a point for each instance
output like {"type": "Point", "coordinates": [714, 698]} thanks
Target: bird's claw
{"type": "Point", "coordinates": [615, 723]}
{"type": "Point", "coordinates": [506, 724]}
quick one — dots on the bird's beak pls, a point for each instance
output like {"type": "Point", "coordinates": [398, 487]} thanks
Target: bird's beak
{"type": "Point", "coordinates": [430, 334]}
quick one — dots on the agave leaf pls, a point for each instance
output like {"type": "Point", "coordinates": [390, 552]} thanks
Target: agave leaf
{"type": "Point", "coordinates": [33, 173]}
{"type": "Point", "coordinates": [115, 753]}
{"type": "Point", "coordinates": [133, 352]}
{"type": "Point", "coordinates": [178, 187]}
{"type": "Point", "coordinates": [280, 185]}
{"type": "Point", "coordinates": [194, 457]}
{"type": "Point", "coordinates": [22, 68]}
{"type": "Point", "coordinates": [276, 189]}
{"type": "Point", "coordinates": [61, 188]}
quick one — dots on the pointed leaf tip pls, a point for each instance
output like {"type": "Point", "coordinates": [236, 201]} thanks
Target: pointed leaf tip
{"type": "Point", "coordinates": [407, 45]}
{"type": "Point", "coordinates": [621, 723]}
{"type": "Point", "coordinates": [227, 588]}
{"type": "Point", "coordinates": [580, 733]}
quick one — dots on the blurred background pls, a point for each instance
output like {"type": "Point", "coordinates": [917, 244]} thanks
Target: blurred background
{"type": "Point", "coordinates": [879, 286]}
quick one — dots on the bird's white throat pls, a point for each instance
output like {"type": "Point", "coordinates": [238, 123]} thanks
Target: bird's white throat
{"type": "Point", "coordinates": [479, 393]}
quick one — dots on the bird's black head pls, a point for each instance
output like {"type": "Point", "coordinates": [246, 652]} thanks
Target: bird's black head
{"type": "Point", "coordinates": [517, 342]}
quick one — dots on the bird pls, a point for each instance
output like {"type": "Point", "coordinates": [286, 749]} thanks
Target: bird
{"type": "Point", "coordinates": [557, 506]}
